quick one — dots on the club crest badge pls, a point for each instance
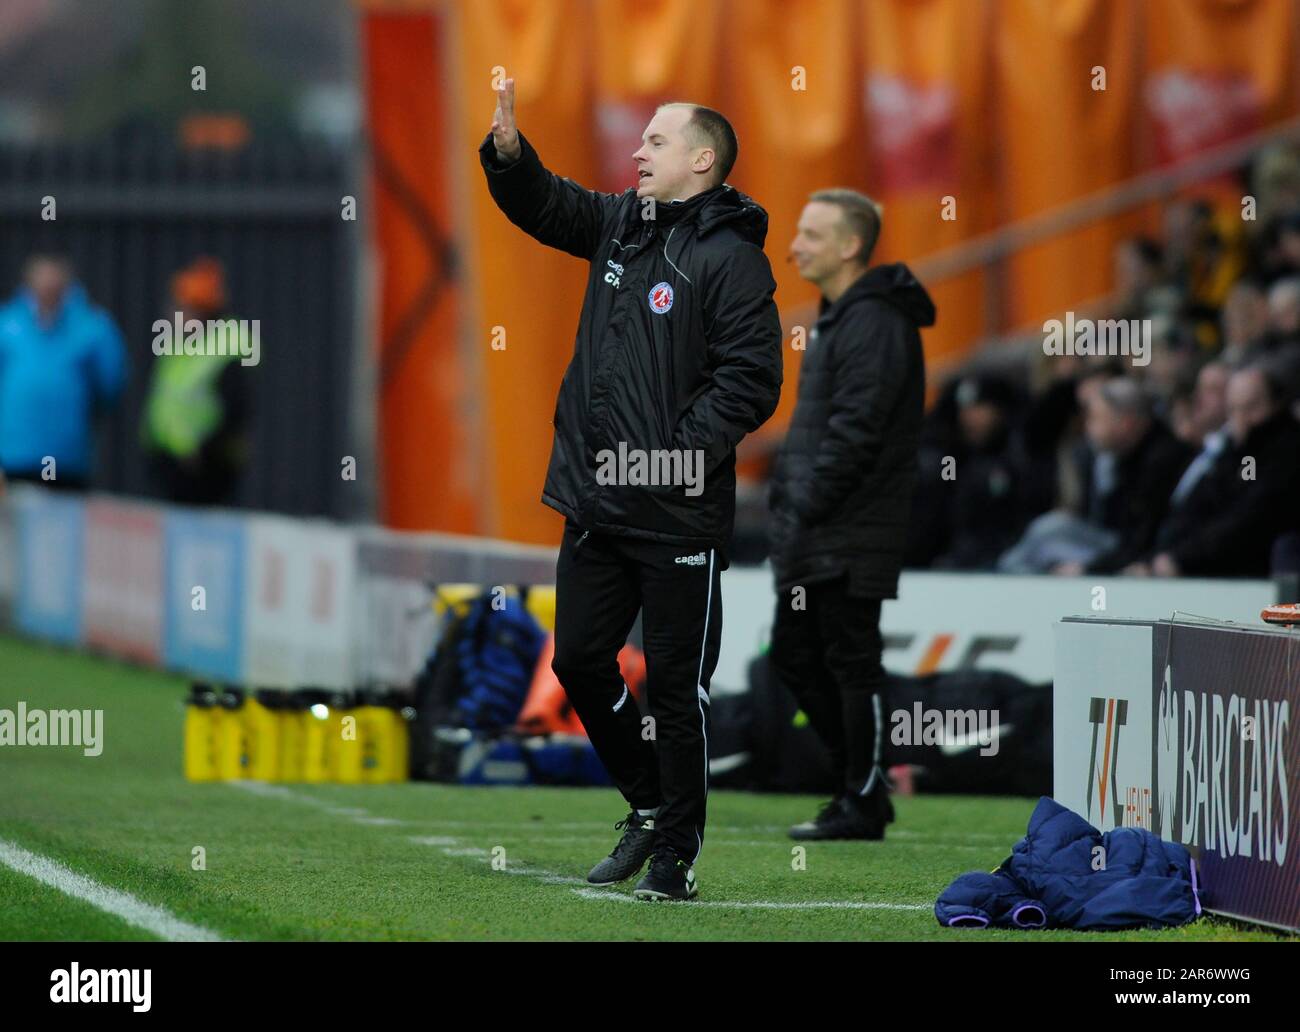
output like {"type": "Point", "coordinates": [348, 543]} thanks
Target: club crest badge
{"type": "Point", "coordinates": [661, 298]}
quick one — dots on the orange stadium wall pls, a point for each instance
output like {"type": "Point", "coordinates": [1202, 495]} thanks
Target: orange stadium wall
{"type": "Point", "coordinates": [988, 102]}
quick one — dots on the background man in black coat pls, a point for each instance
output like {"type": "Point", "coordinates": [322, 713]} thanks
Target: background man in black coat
{"type": "Point", "coordinates": [840, 497]}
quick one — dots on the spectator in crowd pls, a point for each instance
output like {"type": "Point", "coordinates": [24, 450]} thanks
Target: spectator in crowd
{"type": "Point", "coordinates": [1203, 258]}
{"type": "Point", "coordinates": [1280, 258]}
{"type": "Point", "coordinates": [1275, 182]}
{"type": "Point", "coordinates": [1224, 524]}
{"type": "Point", "coordinates": [1279, 347]}
{"type": "Point", "coordinates": [1244, 318]}
{"type": "Point", "coordinates": [1128, 472]}
{"type": "Point", "coordinates": [62, 360]}
{"type": "Point", "coordinates": [1208, 431]}
{"type": "Point", "coordinates": [1174, 356]}
{"type": "Point", "coordinates": [1284, 311]}
{"type": "Point", "coordinates": [1069, 487]}
{"type": "Point", "coordinates": [930, 522]}
{"type": "Point", "coordinates": [196, 414]}
{"type": "Point", "coordinates": [983, 504]}
{"type": "Point", "coordinates": [1181, 416]}
{"type": "Point", "coordinates": [1209, 402]}
{"type": "Point", "coordinates": [1091, 497]}
{"type": "Point", "coordinates": [1139, 265]}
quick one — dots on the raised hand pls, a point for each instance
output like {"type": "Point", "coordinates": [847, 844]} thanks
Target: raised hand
{"type": "Point", "coordinates": [505, 136]}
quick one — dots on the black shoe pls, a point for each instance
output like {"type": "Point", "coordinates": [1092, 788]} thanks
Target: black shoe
{"type": "Point", "coordinates": [629, 856]}
{"type": "Point", "coordinates": [879, 797]}
{"type": "Point", "coordinates": [852, 817]}
{"type": "Point", "coordinates": [669, 877]}
{"type": "Point", "coordinates": [810, 829]}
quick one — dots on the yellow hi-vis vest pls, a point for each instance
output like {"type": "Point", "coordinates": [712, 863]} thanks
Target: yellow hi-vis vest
{"type": "Point", "coordinates": [184, 407]}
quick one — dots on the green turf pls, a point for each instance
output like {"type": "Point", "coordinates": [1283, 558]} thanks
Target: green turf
{"type": "Point", "coordinates": [346, 862]}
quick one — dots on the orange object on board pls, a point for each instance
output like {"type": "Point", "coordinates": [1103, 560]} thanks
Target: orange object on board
{"type": "Point", "coordinates": [547, 708]}
{"type": "Point", "coordinates": [1287, 613]}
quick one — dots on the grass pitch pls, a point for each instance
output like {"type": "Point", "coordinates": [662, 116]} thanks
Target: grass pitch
{"type": "Point", "coordinates": [422, 861]}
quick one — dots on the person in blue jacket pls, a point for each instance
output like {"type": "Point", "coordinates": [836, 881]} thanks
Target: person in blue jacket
{"type": "Point", "coordinates": [62, 359]}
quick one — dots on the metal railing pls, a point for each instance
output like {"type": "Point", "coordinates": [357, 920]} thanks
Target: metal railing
{"type": "Point", "coordinates": [990, 250]}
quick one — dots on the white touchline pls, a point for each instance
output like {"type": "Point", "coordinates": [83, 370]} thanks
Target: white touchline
{"type": "Point", "coordinates": [160, 922]}
{"type": "Point", "coordinates": [362, 816]}
{"type": "Point", "coordinates": [448, 848]}
{"type": "Point", "coordinates": [736, 904]}
{"type": "Point", "coordinates": [451, 847]}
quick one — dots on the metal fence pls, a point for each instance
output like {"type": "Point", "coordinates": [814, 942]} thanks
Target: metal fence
{"type": "Point", "coordinates": [134, 208]}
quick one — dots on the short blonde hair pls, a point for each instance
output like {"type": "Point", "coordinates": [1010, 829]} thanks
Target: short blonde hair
{"type": "Point", "coordinates": [861, 214]}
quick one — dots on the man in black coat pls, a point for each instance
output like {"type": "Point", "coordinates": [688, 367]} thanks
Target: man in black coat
{"type": "Point", "coordinates": [678, 356]}
{"type": "Point", "coordinates": [1127, 468]}
{"type": "Point", "coordinates": [1146, 463]}
{"type": "Point", "coordinates": [1226, 525]}
{"type": "Point", "coordinates": [840, 497]}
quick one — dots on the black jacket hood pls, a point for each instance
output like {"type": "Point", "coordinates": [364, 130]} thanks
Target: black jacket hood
{"type": "Point", "coordinates": [721, 206]}
{"type": "Point", "coordinates": [893, 283]}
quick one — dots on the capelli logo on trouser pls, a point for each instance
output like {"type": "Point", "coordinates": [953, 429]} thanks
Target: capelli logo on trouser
{"type": "Point", "coordinates": [698, 559]}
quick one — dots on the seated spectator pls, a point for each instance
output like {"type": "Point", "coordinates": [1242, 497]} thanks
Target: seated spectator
{"type": "Point", "coordinates": [1128, 471]}
{"type": "Point", "coordinates": [1209, 402]}
{"type": "Point", "coordinates": [1281, 247]}
{"type": "Point", "coordinates": [1174, 357]}
{"type": "Point", "coordinates": [1284, 311]}
{"type": "Point", "coordinates": [1244, 319]}
{"type": "Point", "coordinates": [984, 492]}
{"type": "Point", "coordinates": [1209, 432]}
{"type": "Point", "coordinates": [1139, 263]}
{"type": "Point", "coordinates": [1053, 429]}
{"type": "Point", "coordinates": [1224, 524]}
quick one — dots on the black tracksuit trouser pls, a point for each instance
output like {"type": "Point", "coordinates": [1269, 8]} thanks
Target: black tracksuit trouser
{"type": "Point", "coordinates": [659, 759]}
{"type": "Point", "coordinates": [827, 651]}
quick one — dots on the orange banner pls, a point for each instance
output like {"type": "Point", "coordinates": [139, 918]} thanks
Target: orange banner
{"type": "Point", "coordinates": [927, 93]}
{"type": "Point", "coordinates": [430, 479]}
{"type": "Point", "coordinates": [1215, 70]}
{"type": "Point", "coordinates": [528, 297]}
{"type": "Point", "coordinates": [647, 54]}
{"type": "Point", "coordinates": [1066, 117]}
{"type": "Point", "coordinates": [791, 96]}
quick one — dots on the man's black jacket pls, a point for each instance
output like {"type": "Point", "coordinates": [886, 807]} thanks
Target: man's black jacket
{"type": "Point", "coordinates": [678, 346]}
{"type": "Point", "coordinates": [841, 489]}
{"type": "Point", "coordinates": [1226, 525]}
{"type": "Point", "coordinates": [1145, 479]}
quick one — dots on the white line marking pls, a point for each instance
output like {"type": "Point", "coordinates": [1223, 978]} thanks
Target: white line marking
{"type": "Point", "coordinates": [587, 892]}
{"type": "Point", "coordinates": [160, 922]}
{"type": "Point", "coordinates": [827, 904]}
{"type": "Point", "coordinates": [722, 830]}
{"type": "Point", "coordinates": [770, 843]}
{"type": "Point", "coordinates": [450, 847]}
